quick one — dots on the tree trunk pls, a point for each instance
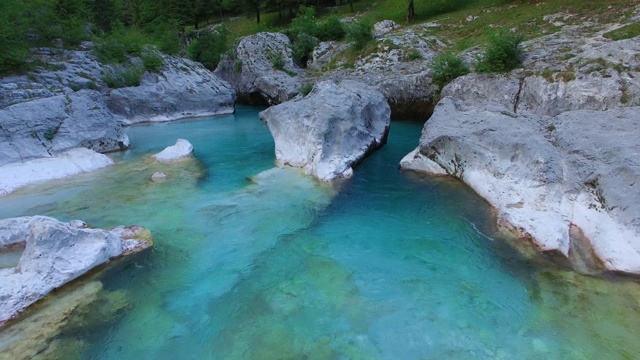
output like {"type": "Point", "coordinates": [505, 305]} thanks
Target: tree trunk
{"type": "Point", "coordinates": [411, 12]}
{"type": "Point", "coordinates": [258, 14]}
{"type": "Point", "coordinates": [351, 5]}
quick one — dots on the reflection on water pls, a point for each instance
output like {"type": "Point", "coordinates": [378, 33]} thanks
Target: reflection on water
{"type": "Point", "coordinates": [386, 265]}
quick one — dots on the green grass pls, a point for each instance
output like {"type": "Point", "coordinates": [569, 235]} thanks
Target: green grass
{"type": "Point", "coordinates": [526, 16]}
{"type": "Point", "coordinates": [625, 32]}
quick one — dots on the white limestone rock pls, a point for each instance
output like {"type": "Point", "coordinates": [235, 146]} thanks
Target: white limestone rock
{"type": "Point", "coordinates": [69, 163]}
{"type": "Point", "coordinates": [330, 130]}
{"type": "Point", "coordinates": [253, 75]}
{"type": "Point", "coordinates": [382, 27]}
{"type": "Point", "coordinates": [549, 178]}
{"type": "Point", "coordinates": [49, 126]}
{"type": "Point", "coordinates": [182, 89]}
{"type": "Point", "coordinates": [180, 151]}
{"type": "Point", "coordinates": [55, 254]}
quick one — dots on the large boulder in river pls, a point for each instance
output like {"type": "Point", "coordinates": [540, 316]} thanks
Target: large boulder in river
{"type": "Point", "coordinates": [263, 72]}
{"type": "Point", "coordinates": [330, 130]}
{"type": "Point", "coordinates": [56, 253]}
{"type": "Point", "coordinates": [181, 150]}
{"type": "Point", "coordinates": [182, 89]}
{"type": "Point", "coordinates": [48, 126]}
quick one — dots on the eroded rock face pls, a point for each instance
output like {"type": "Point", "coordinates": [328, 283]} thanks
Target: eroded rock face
{"type": "Point", "coordinates": [182, 89]}
{"type": "Point", "coordinates": [552, 147]}
{"type": "Point", "coordinates": [331, 129]}
{"type": "Point", "coordinates": [181, 150]}
{"type": "Point", "coordinates": [49, 126]}
{"type": "Point", "coordinates": [55, 253]}
{"type": "Point", "coordinates": [556, 180]}
{"type": "Point", "coordinates": [254, 73]}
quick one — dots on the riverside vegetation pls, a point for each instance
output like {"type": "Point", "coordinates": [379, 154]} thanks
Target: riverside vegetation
{"type": "Point", "coordinates": [506, 86]}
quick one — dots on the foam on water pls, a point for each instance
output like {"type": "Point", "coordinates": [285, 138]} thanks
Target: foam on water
{"type": "Point", "coordinates": [257, 263]}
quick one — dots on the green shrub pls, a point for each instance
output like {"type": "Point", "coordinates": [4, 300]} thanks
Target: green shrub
{"type": "Point", "coordinates": [360, 33]}
{"type": "Point", "coordinates": [304, 23]}
{"type": "Point", "coordinates": [51, 133]}
{"type": "Point", "coordinates": [503, 52]}
{"type": "Point", "coordinates": [237, 66]}
{"type": "Point", "coordinates": [167, 38]}
{"type": "Point", "coordinates": [331, 29]}
{"type": "Point", "coordinates": [414, 55]}
{"type": "Point", "coordinates": [151, 61]}
{"type": "Point", "coordinates": [114, 48]}
{"type": "Point", "coordinates": [209, 47]}
{"type": "Point", "coordinates": [277, 60]}
{"type": "Point", "coordinates": [445, 68]}
{"type": "Point", "coordinates": [306, 89]}
{"type": "Point", "coordinates": [302, 48]}
{"type": "Point", "coordinates": [123, 76]}
{"type": "Point", "coordinates": [110, 51]}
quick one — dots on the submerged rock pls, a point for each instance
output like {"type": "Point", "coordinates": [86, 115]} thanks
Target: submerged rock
{"type": "Point", "coordinates": [69, 163]}
{"type": "Point", "coordinates": [55, 254]}
{"type": "Point", "coordinates": [263, 72]}
{"type": "Point", "coordinates": [180, 151]}
{"type": "Point", "coordinates": [330, 130]}
{"type": "Point", "coordinates": [158, 176]}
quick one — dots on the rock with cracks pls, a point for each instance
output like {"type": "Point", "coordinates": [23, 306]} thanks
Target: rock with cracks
{"type": "Point", "coordinates": [263, 72]}
{"type": "Point", "coordinates": [330, 130]}
{"type": "Point", "coordinates": [49, 126]}
{"type": "Point", "coordinates": [182, 89]}
{"type": "Point", "coordinates": [56, 253]}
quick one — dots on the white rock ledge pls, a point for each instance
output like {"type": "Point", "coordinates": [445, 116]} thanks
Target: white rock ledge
{"type": "Point", "coordinates": [72, 162]}
{"type": "Point", "coordinates": [181, 150]}
{"type": "Point", "coordinates": [56, 253]}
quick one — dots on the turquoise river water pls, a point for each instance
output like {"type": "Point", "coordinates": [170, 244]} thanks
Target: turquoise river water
{"type": "Point", "coordinates": [252, 262]}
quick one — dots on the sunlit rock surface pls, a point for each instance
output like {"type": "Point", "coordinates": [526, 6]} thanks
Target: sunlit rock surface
{"type": "Point", "coordinates": [56, 253]}
{"type": "Point", "coordinates": [72, 162]}
{"type": "Point", "coordinates": [330, 130]}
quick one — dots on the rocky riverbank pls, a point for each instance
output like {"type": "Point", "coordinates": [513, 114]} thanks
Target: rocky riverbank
{"type": "Point", "coordinates": [551, 147]}
{"type": "Point", "coordinates": [56, 253]}
{"type": "Point", "coordinates": [65, 105]}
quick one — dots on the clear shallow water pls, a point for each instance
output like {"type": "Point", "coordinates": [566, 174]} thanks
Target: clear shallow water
{"type": "Point", "coordinates": [389, 265]}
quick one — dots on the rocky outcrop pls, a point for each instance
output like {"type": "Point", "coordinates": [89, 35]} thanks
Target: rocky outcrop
{"type": "Point", "coordinates": [181, 150]}
{"type": "Point", "coordinates": [68, 163]}
{"type": "Point", "coordinates": [49, 126]}
{"type": "Point", "coordinates": [566, 186]}
{"type": "Point", "coordinates": [552, 150]}
{"type": "Point", "coordinates": [181, 89]}
{"type": "Point", "coordinates": [263, 72]}
{"type": "Point", "coordinates": [56, 253]}
{"type": "Point", "coordinates": [47, 116]}
{"type": "Point", "coordinates": [399, 68]}
{"type": "Point", "coordinates": [330, 130]}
